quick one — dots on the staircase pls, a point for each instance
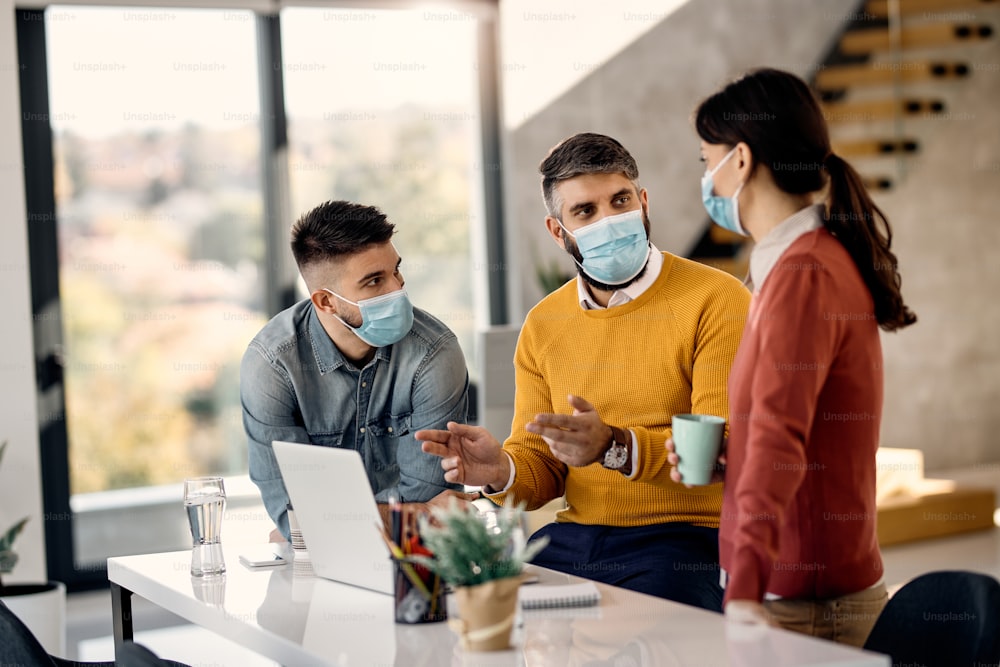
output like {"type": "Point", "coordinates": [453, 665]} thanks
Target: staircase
{"type": "Point", "coordinates": [872, 83]}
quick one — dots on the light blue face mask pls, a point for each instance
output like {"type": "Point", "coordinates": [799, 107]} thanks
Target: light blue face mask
{"type": "Point", "coordinates": [614, 249]}
{"type": "Point", "coordinates": [725, 211]}
{"type": "Point", "coordinates": [385, 319]}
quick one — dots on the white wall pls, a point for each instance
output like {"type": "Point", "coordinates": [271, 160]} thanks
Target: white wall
{"type": "Point", "coordinates": [20, 476]}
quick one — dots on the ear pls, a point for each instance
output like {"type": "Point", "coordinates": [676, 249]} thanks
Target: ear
{"type": "Point", "coordinates": [644, 200]}
{"type": "Point", "coordinates": [743, 159]}
{"type": "Point", "coordinates": [555, 231]}
{"type": "Point", "coordinates": [324, 301]}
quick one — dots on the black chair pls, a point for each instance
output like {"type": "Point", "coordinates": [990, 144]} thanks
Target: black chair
{"type": "Point", "coordinates": [941, 619]}
{"type": "Point", "coordinates": [18, 646]}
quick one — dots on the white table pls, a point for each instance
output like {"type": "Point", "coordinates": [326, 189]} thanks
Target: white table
{"type": "Point", "coordinates": [297, 619]}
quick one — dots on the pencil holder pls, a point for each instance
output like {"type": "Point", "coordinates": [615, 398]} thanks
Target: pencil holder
{"type": "Point", "coordinates": [419, 594]}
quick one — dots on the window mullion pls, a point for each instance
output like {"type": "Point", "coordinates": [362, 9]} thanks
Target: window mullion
{"type": "Point", "coordinates": [279, 272]}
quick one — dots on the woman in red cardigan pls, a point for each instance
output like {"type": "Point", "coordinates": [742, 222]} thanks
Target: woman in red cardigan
{"type": "Point", "coordinates": [797, 536]}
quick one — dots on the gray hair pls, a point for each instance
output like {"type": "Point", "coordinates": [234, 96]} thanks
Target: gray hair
{"type": "Point", "coordinates": [583, 153]}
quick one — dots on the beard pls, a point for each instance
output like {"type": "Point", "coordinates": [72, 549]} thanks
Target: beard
{"type": "Point", "coordinates": [352, 319]}
{"type": "Point", "coordinates": [574, 252]}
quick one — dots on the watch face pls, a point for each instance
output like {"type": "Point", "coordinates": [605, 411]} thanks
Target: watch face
{"type": "Point", "coordinates": [615, 457]}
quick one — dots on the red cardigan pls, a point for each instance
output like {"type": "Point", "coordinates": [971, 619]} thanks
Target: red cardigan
{"type": "Point", "coordinates": [805, 402]}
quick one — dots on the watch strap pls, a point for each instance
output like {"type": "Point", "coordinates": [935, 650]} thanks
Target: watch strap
{"type": "Point", "coordinates": [620, 436]}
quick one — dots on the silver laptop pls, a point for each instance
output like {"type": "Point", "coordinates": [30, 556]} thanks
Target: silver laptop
{"type": "Point", "coordinates": [336, 510]}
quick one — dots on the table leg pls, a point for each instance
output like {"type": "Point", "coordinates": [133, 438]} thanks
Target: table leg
{"type": "Point", "coordinates": [121, 610]}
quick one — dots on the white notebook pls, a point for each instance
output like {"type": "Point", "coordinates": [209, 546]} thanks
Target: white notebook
{"type": "Point", "coordinates": [549, 596]}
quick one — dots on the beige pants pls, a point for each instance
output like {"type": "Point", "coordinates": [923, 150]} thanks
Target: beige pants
{"type": "Point", "coordinates": [847, 620]}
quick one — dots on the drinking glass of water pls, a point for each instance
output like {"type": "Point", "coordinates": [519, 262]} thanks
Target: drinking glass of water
{"type": "Point", "coordinates": [510, 522]}
{"type": "Point", "coordinates": [205, 501]}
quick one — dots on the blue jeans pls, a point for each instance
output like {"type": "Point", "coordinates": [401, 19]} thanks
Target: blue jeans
{"type": "Point", "coordinates": [676, 561]}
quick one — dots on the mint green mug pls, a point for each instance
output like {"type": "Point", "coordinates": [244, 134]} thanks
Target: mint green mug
{"type": "Point", "coordinates": [697, 442]}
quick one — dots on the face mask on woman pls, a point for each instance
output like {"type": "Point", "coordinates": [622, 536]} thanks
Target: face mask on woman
{"type": "Point", "coordinates": [725, 211]}
{"type": "Point", "coordinates": [614, 249]}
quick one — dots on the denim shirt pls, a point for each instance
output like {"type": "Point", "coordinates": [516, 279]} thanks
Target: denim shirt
{"type": "Point", "coordinates": [295, 385]}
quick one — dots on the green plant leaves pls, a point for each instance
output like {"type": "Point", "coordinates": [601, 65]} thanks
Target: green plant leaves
{"type": "Point", "coordinates": [7, 556]}
{"type": "Point", "coordinates": [8, 559]}
{"type": "Point", "coordinates": [468, 552]}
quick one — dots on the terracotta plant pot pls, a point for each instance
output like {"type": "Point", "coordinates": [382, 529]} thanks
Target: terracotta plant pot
{"type": "Point", "coordinates": [486, 614]}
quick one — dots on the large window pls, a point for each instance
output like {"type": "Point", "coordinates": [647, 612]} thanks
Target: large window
{"type": "Point", "coordinates": [159, 219]}
{"type": "Point", "coordinates": [383, 109]}
{"type": "Point", "coordinates": [172, 158]}
{"type": "Point", "coordinates": [160, 235]}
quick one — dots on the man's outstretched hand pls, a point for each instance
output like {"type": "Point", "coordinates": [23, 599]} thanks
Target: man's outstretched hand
{"type": "Point", "coordinates": [469, 455]}
{"type": "Point", "coordinates": [578, 439]}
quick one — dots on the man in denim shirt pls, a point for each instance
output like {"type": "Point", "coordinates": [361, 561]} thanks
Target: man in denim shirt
{"type": "Point", "coordinates": [354, 366]}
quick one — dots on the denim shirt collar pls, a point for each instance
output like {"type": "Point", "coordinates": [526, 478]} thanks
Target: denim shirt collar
{"type": "Point", "coordinates": [328, 356]}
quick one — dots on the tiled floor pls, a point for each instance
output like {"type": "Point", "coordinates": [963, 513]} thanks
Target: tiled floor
{"type": "Point", "coordinates": [89, 614]}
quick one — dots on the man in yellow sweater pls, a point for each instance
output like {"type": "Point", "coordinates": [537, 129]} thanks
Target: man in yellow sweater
{"type": "Point", "coordinates": [601, 365]}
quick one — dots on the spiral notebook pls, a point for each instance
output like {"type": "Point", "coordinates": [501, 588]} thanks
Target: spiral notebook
{"type": "Point", "coordinates": [551, 596]}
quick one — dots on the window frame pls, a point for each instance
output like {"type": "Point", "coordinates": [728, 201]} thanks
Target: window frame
{"type": "Point", "coordinates": [280, 274]}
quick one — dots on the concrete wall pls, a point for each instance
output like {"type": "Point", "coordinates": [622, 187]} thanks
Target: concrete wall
{"type": "Point", "coordinates": [643, 96]}
{"type": "Point", "coordinates": [20, 476]}
{"type": "Point", "coordinates": [942, 375]}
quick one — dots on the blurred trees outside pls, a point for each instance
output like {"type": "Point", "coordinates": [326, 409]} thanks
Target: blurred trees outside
{"type": "Point", "coordinates": [161, 267]}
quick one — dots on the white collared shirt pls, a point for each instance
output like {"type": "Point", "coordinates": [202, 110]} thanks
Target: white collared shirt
{"type": "Point", "coordinates": [770, 248]}
{"type": "Point", "coordinates": [654, 263]}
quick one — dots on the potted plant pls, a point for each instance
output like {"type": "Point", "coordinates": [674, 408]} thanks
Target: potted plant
{"type": "Point", "coordinates": [41, 607]}
{"type": "Point", "coordinates": [482, 557]}
{"type": "Point", "coordinates": [551, 275]}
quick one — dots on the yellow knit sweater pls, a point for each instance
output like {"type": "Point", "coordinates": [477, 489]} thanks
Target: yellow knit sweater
{"type": "Point", "coordinates": [667, 352]}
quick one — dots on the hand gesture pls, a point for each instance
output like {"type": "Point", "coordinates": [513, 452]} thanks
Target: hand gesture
{"type": "Point", "coordinates": [469, 455]}
{"type": "Point", "coordinates": [578, 439]}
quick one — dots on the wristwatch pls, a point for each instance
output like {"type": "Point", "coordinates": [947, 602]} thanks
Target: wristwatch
{"type": "Point", "coordinates": [617, 455]}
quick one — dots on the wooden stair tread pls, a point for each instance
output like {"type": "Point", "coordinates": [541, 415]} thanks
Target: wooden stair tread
{"type": "Point", "coordinates": [875, 147]}
{"type": "Point", "coordinates": [880, 8]}
{"type": "Point", "coordinates": [959, 511]}
{"type": "Point", "coordinates": [720, 235]}
{"type": "Point", "coordinates": [737, 267]}
{"type": "Point", "coordinates": [877, 183]}
{"type": "Point", "coordinates": [858, 42]}
{"type": "Point", "coordinates": [846, 76]}
{"type": "Point", "coordinates": [881, 109]}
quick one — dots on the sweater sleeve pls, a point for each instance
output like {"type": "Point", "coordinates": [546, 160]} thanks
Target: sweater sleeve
{"type": "Point", "coordinates": [716, 336]}
{"type": "Point", "coordinates": [797, 339]}
{"type": "Point", "coordinates": [539, 476]}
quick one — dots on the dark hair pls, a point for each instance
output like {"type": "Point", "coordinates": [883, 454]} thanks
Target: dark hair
{"type": "Point", "coordinates": [777, 116]}
{"type": "Point", "coordinates": [583, 153]}
{"type": "Point", "coordinates": [338, 228]}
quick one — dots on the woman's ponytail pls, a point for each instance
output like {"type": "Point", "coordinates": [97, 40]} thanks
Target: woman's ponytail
{"type": "Point", "coordinates": [865, 232]}
{"type": "Point", "coordinates": [779, 118]}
